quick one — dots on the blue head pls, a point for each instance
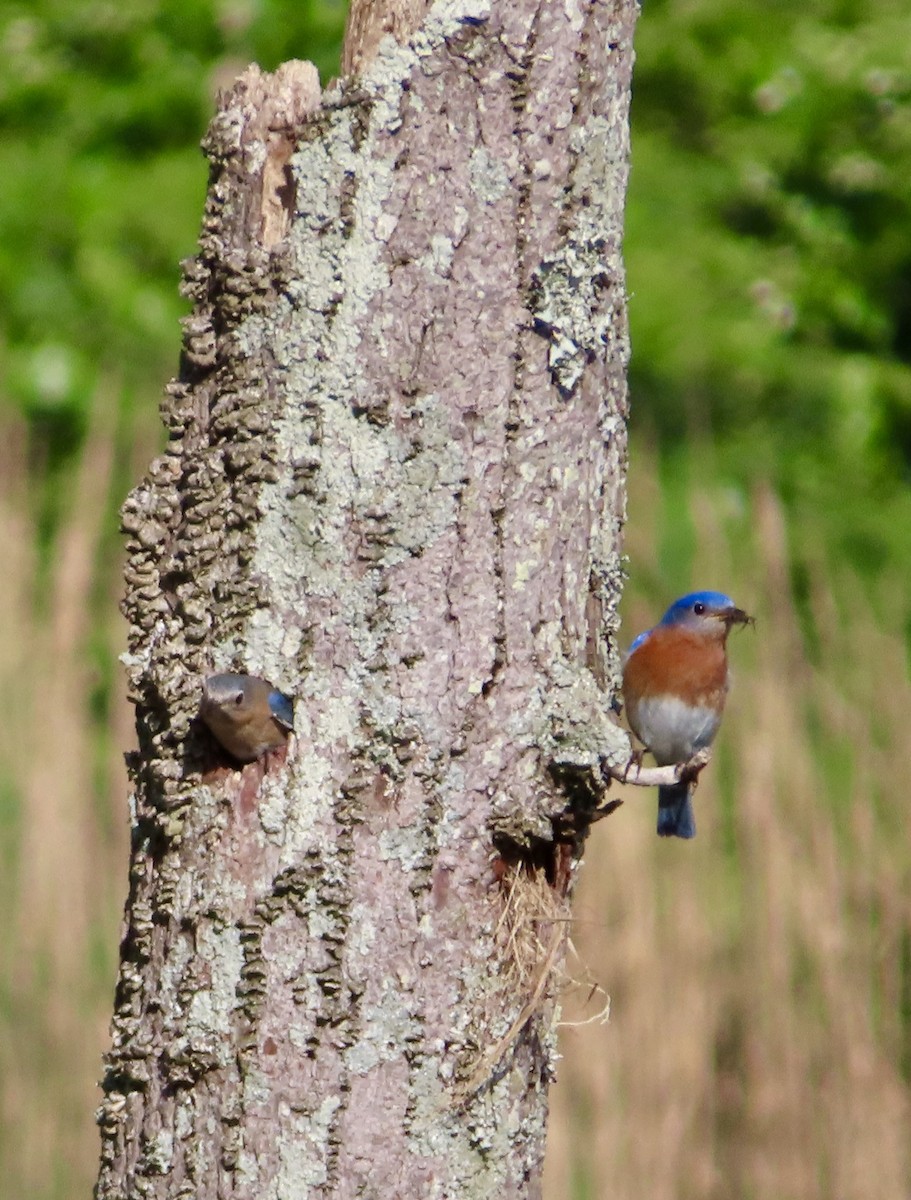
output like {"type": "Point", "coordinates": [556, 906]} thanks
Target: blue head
{"type": "Point", "coordinates": [711, 613]}
{"type": "Point", "coordinates": [706, 612]}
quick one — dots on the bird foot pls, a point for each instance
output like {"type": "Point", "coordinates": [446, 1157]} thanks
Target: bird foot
{"type": "Point", "coordinates": [635, 760]}
{"type": "Point", "coordinates": [688, 772]}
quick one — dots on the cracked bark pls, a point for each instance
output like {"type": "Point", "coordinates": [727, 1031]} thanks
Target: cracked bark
{"type": "Point", "coordinates": [394, 487]}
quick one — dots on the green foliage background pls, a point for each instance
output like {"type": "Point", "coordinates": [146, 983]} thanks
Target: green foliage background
{"type": "Point", "coordinates": [768, 251]}
{"type": "Point", "coordinates": [769, 259]}
{"type": "Point", "coordinates": [767, 246]}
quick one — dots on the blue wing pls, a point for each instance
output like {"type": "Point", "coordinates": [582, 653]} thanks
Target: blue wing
{"type": "Point", "coordinates": [282, 708]}
{"type": "Point", "coordinates": [637, 642]}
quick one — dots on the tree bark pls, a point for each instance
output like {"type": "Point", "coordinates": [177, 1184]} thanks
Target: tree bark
{"type": "Point", "coordinates": [369, 21]}
{"type": "Point", "coordinates": [394, 487]}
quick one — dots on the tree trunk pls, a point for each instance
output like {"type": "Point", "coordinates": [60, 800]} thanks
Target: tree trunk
{"type": "Point", "coordinates": [394, 488]}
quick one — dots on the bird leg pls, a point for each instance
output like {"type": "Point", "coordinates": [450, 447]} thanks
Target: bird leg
{"type": "Point", "coordinates": [688, 772]}
{"type": "Point", "coordinates": [633, 772]}
{"type": "Point", "coordinates": [635, 759]}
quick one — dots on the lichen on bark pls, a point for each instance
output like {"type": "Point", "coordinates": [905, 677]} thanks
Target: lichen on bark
{"type": "Point", "coordinates": [394, 487]}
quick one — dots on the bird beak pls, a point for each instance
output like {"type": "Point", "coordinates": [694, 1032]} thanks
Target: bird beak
{"type": "Point", "coordinates": [736, 616]}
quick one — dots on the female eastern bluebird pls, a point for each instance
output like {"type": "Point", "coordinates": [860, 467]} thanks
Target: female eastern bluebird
{"type": "Point", "coordinates": [675, 681]}
{"type": "Point", "coordinates": [247, 715]}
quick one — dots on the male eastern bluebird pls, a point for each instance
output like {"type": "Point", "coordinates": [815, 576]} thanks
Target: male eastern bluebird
{"type": "Point", "coordinates": [247, 715]}
{"type": "Point", "coordinates": [675, 681]}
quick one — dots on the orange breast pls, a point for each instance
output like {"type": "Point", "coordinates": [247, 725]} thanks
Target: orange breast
{"type": "Point", "coordinates": [676, 662]}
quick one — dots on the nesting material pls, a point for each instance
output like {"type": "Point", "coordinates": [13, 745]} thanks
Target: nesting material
{"type": "Point", "coordinates": [533, 929]}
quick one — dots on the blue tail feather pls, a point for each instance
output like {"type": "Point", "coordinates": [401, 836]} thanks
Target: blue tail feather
{"type": "Point", "coordinates": [675, 812]}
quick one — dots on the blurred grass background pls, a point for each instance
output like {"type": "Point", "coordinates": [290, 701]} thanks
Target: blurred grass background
{"type": "Point", "coordinates": [760, 977]}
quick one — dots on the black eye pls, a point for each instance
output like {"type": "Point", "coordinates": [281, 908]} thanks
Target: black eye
{"type": "Point", "coordinates": [239, 699]}
{"type": "Point", "coordinates": [698, 608]}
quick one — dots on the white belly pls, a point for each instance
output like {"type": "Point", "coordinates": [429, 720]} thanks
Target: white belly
{"type": "Point", "coordinates": [672, 730]}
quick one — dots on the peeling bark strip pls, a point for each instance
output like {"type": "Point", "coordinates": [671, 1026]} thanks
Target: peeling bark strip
{"type": "Point", "coordinates": [394, 488]}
